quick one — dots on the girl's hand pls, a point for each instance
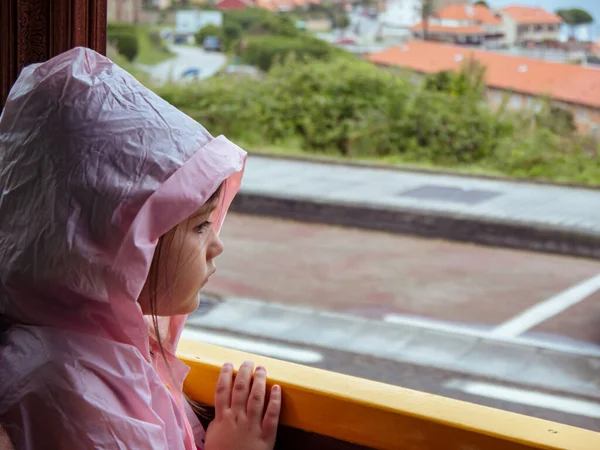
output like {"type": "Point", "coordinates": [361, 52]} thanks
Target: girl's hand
{"type": "Point", "coordinates": [241, 421]}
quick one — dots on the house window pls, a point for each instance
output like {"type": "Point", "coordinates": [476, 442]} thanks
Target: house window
{"type": "Point", "coordinates": [534, 104]}
{"type": "Point", "coordinates": [582, 114]}
{"type": "Point", "coordinates": [538, 28]}
{"type": "Point", "coordinates": [495, 98]}
{"type": "Point", "coordinates": [516, 102]}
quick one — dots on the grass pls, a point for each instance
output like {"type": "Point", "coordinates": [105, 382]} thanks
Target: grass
{"type": "Point", "coordinates": [148, 53]}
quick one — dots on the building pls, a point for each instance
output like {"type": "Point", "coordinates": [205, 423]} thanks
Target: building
{"type": "Point", "coordinates": [285, 5]}
{"type": "Point", "coordinates": [441, 4]}
{"type": "Point", "coordinates": [463, 24]}
{"type": "Point", "coordinates": [401, 13]}
{"type": "Point", "coordinates": [190, 21]}
{"type": "Point", "coordinates": [523, 80]}
{"type": "Point", "coordinates": [522, 25]}
{"type": "Point", "coordinates": [123, 11]}
{"type": "Point", "coordinates": [233, 5]}
{"type": "Point", "coordinates": [160, 4]}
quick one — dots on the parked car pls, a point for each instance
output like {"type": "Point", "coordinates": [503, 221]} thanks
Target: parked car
{"type": "Point", "coordinates": [212, 44]}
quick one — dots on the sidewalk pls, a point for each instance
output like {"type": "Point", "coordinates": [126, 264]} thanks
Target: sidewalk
{"type": "Point", "coordinates": [559, 368]}
{"type": "Point", "coordinates": [493, 212]}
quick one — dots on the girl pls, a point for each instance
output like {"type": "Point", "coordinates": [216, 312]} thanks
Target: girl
{"type": "Point", "coordinates": [111, 201]}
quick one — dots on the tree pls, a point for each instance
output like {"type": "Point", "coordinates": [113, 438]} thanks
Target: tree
{"type": "Point", "coordinates": [426, 13]}
{"type": "Point", "coordinates": [481, 3]}
{"type": "Point", "coordinates": [574, 17]}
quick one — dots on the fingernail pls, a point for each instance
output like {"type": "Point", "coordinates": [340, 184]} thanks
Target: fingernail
{"type": "Point", "coordinates": [260, 369]}
{"type": "Point", "coordinates": [228, 365]}
{"type": "Point", "coordinates": [276, 388]}
{"type": "Point", "coordinates": [249, 363]}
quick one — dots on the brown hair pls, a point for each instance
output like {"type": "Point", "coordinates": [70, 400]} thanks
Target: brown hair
{"type": "Point", "coordinates": [165, 242]}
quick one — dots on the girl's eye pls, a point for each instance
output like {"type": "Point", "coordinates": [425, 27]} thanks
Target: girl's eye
{"type": "Point", "coordinates": [203, 226]}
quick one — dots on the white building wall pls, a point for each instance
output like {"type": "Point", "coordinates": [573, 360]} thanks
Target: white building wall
{"type": "Point", "coordinates": [401, 13]}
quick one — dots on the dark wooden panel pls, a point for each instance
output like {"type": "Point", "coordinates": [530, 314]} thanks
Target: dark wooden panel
{"type": "Point", "coordinates": [36, 30]}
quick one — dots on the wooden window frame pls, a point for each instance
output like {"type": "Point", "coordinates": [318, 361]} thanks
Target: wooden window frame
{"type": "Point", "coordinates": [34, 31]}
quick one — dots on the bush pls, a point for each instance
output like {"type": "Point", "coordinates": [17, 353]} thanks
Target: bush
{"type": "Point", "coordinates": [223, 107]}
{"type": "Point", "coordinates": [557, 119]}
{"type": "Point", "coordinates": [232, 32]}
{"type": "Point", "coordinates": [264, 51]}
{"type": "Point", "coordinates": [125, 39]}
{"type": "Point", "coordinates": [258, 21]}
{"type": "Point", "coordinates": [352, 108]}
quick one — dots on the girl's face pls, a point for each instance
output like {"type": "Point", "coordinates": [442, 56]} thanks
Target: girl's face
{"type": "Point", "coordinates": [184, 262]}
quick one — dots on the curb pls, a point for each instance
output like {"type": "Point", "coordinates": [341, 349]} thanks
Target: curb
{"type": "Point", "coordinates": [431, 224]}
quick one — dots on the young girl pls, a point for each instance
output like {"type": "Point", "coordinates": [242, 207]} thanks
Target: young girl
{"type": "Point", "coordinates": [110, 205]}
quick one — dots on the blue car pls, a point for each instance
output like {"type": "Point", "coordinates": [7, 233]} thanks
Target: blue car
{"type": "Point", "coordinates": [192, 72]}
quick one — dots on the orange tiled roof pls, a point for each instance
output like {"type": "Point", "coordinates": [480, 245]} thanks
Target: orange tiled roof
{"type": "Point", "coordinates": [478, 13]}
{"type": "Point", "coordinates": [442, 29]}
{"type": "Point", "coordinates": [527, 15]}
{"type": "Point", "coordinates": [566, 82]}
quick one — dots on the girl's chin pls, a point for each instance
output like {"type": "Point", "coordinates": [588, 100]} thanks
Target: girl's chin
{"type": "Point", "coordinates": [188, 307]}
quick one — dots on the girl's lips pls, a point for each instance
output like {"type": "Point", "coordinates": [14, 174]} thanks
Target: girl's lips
{"type": "Point", "coordinates": [208, 277]}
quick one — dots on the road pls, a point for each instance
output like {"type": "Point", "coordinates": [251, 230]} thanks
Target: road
{"type": "Point", "coordinates": [380, 275]}
{"type": "Point", "coordinates": [187, 57]}
{"type": "Point", "coordinates": [505, 328]}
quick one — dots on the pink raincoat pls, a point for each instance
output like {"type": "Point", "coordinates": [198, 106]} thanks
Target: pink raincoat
{"type": "Point", "coordinates": [94, 168]}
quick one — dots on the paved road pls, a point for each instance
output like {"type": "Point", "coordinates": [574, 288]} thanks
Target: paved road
{"type": "Point", "coordinates": [420, 313]}
{"type": "Point", "coordinates": [188, 57]}
{"type": "Point", "coordinates": [379, 275]}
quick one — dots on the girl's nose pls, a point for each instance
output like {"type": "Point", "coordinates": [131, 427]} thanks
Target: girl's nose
{"type": "Point", "coordinates": [216, 248]}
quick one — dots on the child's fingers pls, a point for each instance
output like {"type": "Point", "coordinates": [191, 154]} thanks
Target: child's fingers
{"type": "Point", "coordinates": [241, 388]}
{"type": "Point", "coordinates": [271, 419]}
{"type": "Point", "coordinates": [223, 392]}
{"type": "Point", "coordinates": [256, 400]}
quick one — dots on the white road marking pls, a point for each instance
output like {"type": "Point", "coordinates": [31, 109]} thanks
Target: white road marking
{"type": "Point", "coordinates": [538, 399]}
{"type": "Point", "coordinates": [431, 324]}
{"type": "Point", "coordinates": [253, 346]}
{"type": "Point", "coordinates": [545, 310]}
{"type": "Point", "coordinates": [485, 335]}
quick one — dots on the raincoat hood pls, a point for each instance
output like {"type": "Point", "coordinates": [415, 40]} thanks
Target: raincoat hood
{"type": "Point", "coordinates": [94, 168]}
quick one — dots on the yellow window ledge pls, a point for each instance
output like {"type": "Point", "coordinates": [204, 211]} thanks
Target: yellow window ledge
{"type": "Point", "coordinates": [382, 416]}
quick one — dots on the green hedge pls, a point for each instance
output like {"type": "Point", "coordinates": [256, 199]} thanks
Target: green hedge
{"type": "Point", "coordinates": [264, 51]}
{"type": "Point", "coordinates": [125, 38]}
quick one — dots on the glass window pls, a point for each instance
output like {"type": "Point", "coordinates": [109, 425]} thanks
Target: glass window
{"type": "Point", "coordinates": [583, 114]}
{"type": "Point", "coordinates": [534, 104]}
{"type": "Point", "coordinates": [516, 101]}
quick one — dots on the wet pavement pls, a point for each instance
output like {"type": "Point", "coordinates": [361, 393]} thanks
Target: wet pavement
{"type": "Point", "coordinates": [374, 274]}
